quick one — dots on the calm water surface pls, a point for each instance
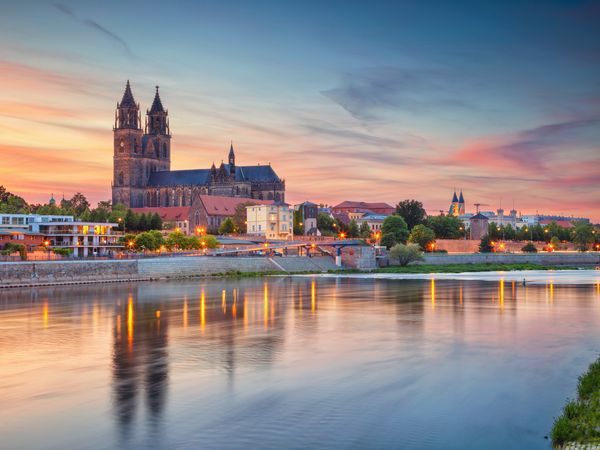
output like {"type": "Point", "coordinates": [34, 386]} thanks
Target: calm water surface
{"type": "Point", "coordinates": [292, 363]}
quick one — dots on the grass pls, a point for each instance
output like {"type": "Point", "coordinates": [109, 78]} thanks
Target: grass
{"type": "Point", "coordinates": [580, 421]}
{"type": "Point", "coordinates": [457, 268]}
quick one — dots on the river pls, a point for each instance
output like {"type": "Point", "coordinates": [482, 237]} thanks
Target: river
{"type": "Point", "coordinates": [293, 362]}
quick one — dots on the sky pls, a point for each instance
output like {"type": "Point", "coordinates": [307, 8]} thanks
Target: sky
{"type": "Point", "coordinates": [372, 101]}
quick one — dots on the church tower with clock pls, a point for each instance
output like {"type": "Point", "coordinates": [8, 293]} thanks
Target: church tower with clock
{"type": "Point", "coordinates": [137, 153]}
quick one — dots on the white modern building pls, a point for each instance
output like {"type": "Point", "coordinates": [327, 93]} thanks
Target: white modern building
{"type": "Point", "coordinates": [273, 221]}
{"type": "Point", "coordinates": [83, 238]}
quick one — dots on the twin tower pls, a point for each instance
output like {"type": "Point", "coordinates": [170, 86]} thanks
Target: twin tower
{"type": "Point", "coordinates": [138, 153]}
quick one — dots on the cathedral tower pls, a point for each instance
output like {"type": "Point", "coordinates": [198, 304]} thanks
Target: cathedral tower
{"type": "Point", "coordinates": [127, 145]}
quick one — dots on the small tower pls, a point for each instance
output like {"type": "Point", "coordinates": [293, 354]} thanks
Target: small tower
{"type": "Point", "coordinates": [231, 157]}
{"type": "Point", "coordinates": [461, 204]}
{"type": "Point", "coordinates": [454, 207]}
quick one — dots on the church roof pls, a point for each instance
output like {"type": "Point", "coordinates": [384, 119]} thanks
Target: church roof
{"type": "Point", "coordinates": [454, 198]}
{"type": "Point", "coordinates": [202, 176]}
{"type": "Point", "coordinates": [461, 199]}
{"type": "Point", "coordinates": [127, 101]}
{"type": "Point", "coordinates": [156, 104]}
{"type": "Point", "coordinates": [167, 213]}
{"type": "Point", "coordinates": [479, 216]}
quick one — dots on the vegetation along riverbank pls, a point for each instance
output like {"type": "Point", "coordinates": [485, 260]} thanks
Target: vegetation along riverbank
{"type": "Point", "coordinates": [580, 421]}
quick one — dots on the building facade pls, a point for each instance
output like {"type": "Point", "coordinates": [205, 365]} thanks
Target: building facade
{"type": "Point", "coordinates": [307, 214]}
{"type": "Point", "coordinates": [457, 207]}
{"type": "Point", "coordinates": [208, 211]}
{"type": "Point", "coordinates": [349, 206]}
{"type": "Point", "coordinates": [142, 175]}
{"type": "Point", "coordinates": [83, 238]}
{"type": "Point", "coordinates": [271, 221]}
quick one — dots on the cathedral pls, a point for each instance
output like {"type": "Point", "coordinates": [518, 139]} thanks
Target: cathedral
{"type": "Point", "coordinates": [142, 165]}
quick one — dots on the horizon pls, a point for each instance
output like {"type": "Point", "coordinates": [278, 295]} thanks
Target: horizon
{"type": "Point", "coordinates": [399, 101]}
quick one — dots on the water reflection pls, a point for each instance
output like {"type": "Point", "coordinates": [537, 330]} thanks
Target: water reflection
{"type": "Point", "coordinates": [300, 358]}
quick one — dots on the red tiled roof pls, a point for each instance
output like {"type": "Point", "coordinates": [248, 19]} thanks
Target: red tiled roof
{"type": "Point", "coordinates": [365, 205]}
{"type": "Point", "coordinates": [560, 223]}
{"type": "Point", "coordinates": [168, 213]}
{"type": "Point", "coordinates": [225, 206]}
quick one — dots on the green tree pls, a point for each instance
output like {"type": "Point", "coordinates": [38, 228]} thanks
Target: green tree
{"type": "Point", "coordinates": [156, 222]}
{"type": "Point", "coordinates": [365, 230]}
{"type": "Point", "coordinates": [555, 242]}
{"type": "Point", "coordinates": [176, 240]}
{"type": "Point", "coordinates": [227, 226]}
{"type": "Point", "coordinates": [131, 221]}
{"type": "Point", "coordinates": [405, 254]}
{"type": "Point", "coordinates": [393, 231]}
{"type": "Point", "coordinates": [298, 222]}
{"type": "Point", "coordinates": [325, 223]}
{"type": "Point", "coordinates": [143, 223]}
{"type": "Point", "coordinates": [209, 241]}
{"type": "Point", "coordinates": [149, 240]}
{"type": "Point", "coordinates": [412, 212]}
{"type": "Point", "coordinates": [583, 236]}
{"type": "Point", "coordinates": [485, 246]}
{"type": "Point", "coordinates": [353, 230]}
{"type": "Point", "coordinates": [446, 227]}
{"type": "Point", "coordinates": [529, 248]}
{"type": "Point", "coordinates": [423, 236]}
{"type": "Point", "coordinates": [239, 217]}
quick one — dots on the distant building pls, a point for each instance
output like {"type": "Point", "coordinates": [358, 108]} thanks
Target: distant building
{"type": "Point", "coordinates": [457, 207]}
{"type": "Point", "coordinates": [308, 212]}
{"type": "Point", "coordinates": [83, 238]}
{"type": "Point", "coordinates": [363, 207]}
{"type": "Point", "coordinates": [209, 211]}
{"type": "Point", "coordinates": [375, 221]}
{"type": "Point", "coordinates": [271, 221]}
{"type": "Point", "coordinates": [479, 226]}
{"type": "Point", "coordinates": [173, 217]}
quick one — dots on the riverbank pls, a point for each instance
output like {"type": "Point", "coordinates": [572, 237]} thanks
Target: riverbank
{"type": "Point", "coordinates": [470, 267]}
{"type": "Point", "coordinates": [579, 425]}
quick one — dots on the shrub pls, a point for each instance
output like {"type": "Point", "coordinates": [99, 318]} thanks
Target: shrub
{"type": "Point", "coordinates": [11, 247]}
{"type": "Point", "coordinates": [529, 248]}
{"type": "Point", "coordinates": [406, 253]}
{"type": "Point", "coordinates": [485, 246]}
{"type": "Point", "coordinates": [62, 251]}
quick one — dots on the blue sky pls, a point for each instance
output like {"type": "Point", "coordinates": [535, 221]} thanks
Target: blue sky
{"type": "Point", "coordinates": [347, 100]}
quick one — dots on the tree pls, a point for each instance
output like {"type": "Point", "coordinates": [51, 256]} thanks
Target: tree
{"type": "Point", "coordinates": [393, 231]}
{"type": "Point", "coordinates": [353, 229]}
{"type": "Point", "coordinates": [406, 253]}
{"type": "Point", "coordinates": [446, 227]}
{"type": "Point", "coordinates": [149, 240]}
{"type": "Point", "coordinates": [529, 248]}
{"type": "Point", "coordinates": [209, 241]}
{"type": "Point", "coordinates": [422, 236]}
{"type": "Point", "coordinates": [325, 223]}
{"type": "Point", "coordinates": [298, 221]}
{"type": "Point", "coordinates": [365, 230]}
{"type": "Point", "coordinates": [412, 212]}
{"type": "Point", "coordinates": [485, 246]}
{"type": "Point", "coordinates": [143, 224]}
{"type": "Point", "coordinates": [227, 226]}
{"type": "Point", "coordinates": [156, 222]}
{"type": "Point", "coordinates": [131, 221]}
{"type": "Point", "coordinates": [555, 242]}
{"type": "Point", "coordinates": [78, 204]}
{"type": "Point", "coordinates": [239, 217]}
{"type": "Point", "coordinates": [583, 236]}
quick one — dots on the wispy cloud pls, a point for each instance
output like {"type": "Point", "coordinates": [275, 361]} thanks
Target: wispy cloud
{"type": "Point", "coordinates": [68, 11]}
{"type": "Point", "coordinates": [365, 92]}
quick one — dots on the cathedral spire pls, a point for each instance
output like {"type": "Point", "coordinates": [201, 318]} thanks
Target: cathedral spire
{"type": "Point", "coordinates": [127, 101]}
{"type": "Point", "coordinates": [156, 104]}
{"type": "Point", "coordinates": [157, 121]}
{"type": "Point", "coordinates": [127, 114]}
{"type": "Point", "coordinates": [231, 155]}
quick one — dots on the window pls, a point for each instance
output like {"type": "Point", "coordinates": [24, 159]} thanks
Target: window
{"type": "Point", "coordinates": [121, 179]}
{"type": "Point", "coordinates": [259, 227]}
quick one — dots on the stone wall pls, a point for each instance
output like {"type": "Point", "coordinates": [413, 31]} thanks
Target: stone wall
{"type": "Point", "coordinates": [184, 266]}
{"type": "Point", "coordinates": [558, 258]}
{"type": "Point", "coordinates": [66, 271]}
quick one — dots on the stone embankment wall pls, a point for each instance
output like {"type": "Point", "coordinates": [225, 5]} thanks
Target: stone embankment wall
{"type": "Point", "coordinates": [472, 246]}
{"type": "Point", "coordinates": [575, 258]}
{"type": "Point", "coordinates": [49, 272]}
{"type": "Point", "coordinates": [58, 272]}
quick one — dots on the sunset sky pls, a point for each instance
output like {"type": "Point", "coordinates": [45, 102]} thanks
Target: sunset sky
{"type": "Point", "coordinates": [374, 101]}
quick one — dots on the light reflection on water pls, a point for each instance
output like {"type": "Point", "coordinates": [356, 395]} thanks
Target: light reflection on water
{"type": "Point", "coordinates": [292, 363]}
